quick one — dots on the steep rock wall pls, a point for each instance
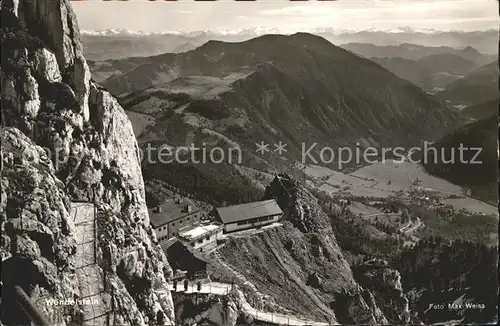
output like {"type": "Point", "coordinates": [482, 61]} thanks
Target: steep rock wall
{"type": "Point", "coordinates": [52, 111]}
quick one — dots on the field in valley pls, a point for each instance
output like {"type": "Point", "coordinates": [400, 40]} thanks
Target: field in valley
{"type": "Point", "coordinates": [387, 178]}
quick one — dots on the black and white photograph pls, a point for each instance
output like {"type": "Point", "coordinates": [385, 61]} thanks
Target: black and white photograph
{"type": "Point", "coordinates": [266, 162]}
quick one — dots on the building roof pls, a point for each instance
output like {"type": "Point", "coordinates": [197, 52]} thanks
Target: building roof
{"type": "Point", "coordinates": [170, 211]}
{"type": "Point", "coordinates": [199, 231]}
{"type": "Point", "coordinates": [248, 211]}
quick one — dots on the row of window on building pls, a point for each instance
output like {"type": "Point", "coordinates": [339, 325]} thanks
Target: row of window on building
{"type": "Point", "coordinates": [201, 240]}
{"type": "Point", "coordinates": [166, 237]}
{"type": "Point", "coordinates": [188, 219]}
{"type": "Point", "coordinates": [255, 220]}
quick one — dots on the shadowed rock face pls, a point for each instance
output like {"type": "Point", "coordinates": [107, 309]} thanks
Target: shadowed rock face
{"type": "Point", "coordinates": [482, 178]}
{"type": "Point", "coordinates": [385, 284]}
{"type": "Point", "coordinates": [65, 139]}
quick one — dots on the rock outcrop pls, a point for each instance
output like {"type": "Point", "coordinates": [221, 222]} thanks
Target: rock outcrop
{"type": "Point", "coordinates": [37, 243]}
{"type": "Point", "coordinates": [351, 303]}
{"type": "Point", "coordinates": [385, 283]}
{"type": "Point", "coordinates": [66, 139]}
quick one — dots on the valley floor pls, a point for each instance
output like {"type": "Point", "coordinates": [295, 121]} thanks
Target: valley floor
{"type": "Point", "coordinates": [389, 178]}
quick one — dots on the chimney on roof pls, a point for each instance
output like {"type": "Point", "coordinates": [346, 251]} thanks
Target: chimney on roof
{"type": "Point", "coordinates": [188, 208]}
{"type": "Point", "coordinates": [158, 209]}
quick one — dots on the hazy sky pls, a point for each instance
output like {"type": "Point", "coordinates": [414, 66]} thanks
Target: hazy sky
{"type": "Point", "coordinates": [287, 16]}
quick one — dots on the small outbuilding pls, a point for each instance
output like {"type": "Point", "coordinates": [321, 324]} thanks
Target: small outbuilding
{"type": "Point", "coordinates": [203, 237]}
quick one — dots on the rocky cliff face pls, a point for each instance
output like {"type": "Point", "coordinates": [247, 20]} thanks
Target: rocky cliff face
{"type": "Point", "coordinates": [65, 139]}
{"type": "Point", "coordinates": [385, 283]}
{"type": "Point", "coordinates": [300, 264]}
{"type": "Point", "coordinates": [351, 303]}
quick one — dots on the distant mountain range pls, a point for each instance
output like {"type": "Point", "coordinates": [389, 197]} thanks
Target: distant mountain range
{"type": "Point", "coordinates": [116, 44]}
{"type": "Point", "coordinates": [263, 30]}
{"type": "Point", "coordinates": [431, 68]}
{"type": "Point", "coordinates": [414, 51]}
{"type": "Point", "coordinates": [298, 88]}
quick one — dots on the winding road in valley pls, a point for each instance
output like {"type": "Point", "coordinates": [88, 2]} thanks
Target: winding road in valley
{"type": "Point", "coordinates": [408, 229]}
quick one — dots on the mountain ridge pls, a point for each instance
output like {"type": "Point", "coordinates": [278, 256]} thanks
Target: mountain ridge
{"type": "Point", "coordinates": [116, 44]}
{"type": "Point", "coordinates": [259, 30]}
{"type": "Point", "coordinates": [334, 75]}
{"type": "Point", "coordinates": [416, 51]}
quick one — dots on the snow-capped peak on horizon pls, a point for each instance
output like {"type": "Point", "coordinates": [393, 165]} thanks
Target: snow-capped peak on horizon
{"type": "Point", "coordinates": [262, 30]}
{"type": "Point", "coordinates": [122, 31]}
